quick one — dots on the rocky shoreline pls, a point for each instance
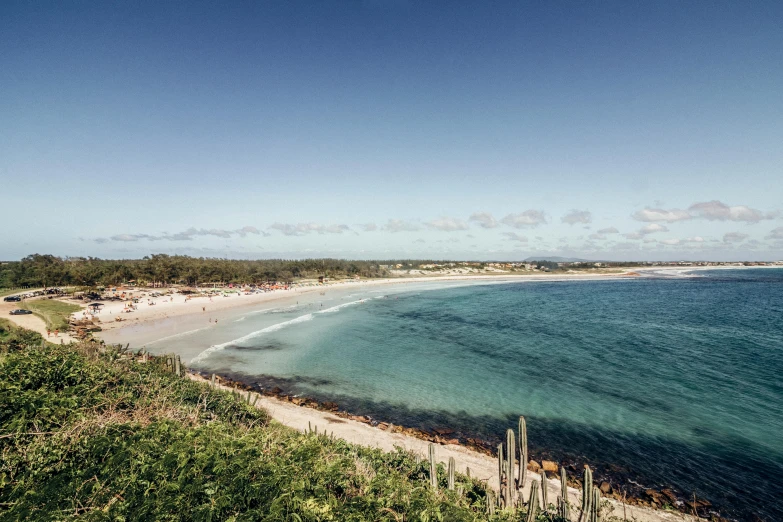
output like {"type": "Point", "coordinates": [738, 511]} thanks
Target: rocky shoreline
{"type": "Point", "coordinates": [610, 479]}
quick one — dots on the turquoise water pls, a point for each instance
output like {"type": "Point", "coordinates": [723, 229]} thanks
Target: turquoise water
{"type": "Point", "coordinates": [671, 381]}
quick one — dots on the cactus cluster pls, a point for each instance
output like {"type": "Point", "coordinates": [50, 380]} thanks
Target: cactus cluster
{"type": "Point", "coordinates": [509, 496]}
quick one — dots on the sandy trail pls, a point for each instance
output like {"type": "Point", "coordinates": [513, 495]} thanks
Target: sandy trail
{"type": "Point", "coordinates": [31, 322]}
{"type": "Point", "coordinates": [481, 466]}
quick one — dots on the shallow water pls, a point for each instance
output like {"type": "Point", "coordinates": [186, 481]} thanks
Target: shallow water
{"type": "Point", "coordinates": [673, 381]}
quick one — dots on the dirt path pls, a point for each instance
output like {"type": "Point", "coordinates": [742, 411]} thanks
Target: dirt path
{"type": "Point", "coordinates": [31, 322]}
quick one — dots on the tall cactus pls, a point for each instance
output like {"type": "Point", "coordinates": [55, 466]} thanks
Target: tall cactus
{"type": "Point", "coordinates": [212, 381]}
{"type": "Point", "coordinates": [596, 506]}
{"type": "Point", "coordinates": [522, 452]}
{"type": "Point", "coordinates": [433, 468]}
{"type": "Point", "coordinates": [501, 465]}
{"type": "Point", "coordinates": [544, 495]}
{"type": "Point", "coordinates": [177, 366]}
{"type": "Point", "coordinates": [511, 449]}
{"type": "Point", "coordinates": [564, 511]}
{"type": "Point", "coordinates": [532, 503]}
{"type": "Point", "coordinates": [452, 466]}
{"type": "Point", "coordinates": [587, 496]}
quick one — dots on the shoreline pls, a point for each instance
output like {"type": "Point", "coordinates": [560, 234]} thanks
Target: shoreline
{"type": "Point", "coordinates": [177, 307]}
{"type": "Point", "coordinates": [164, 309]}
{"type": "Point", "coordinates": [301, 413]}
{"type": "Point", "coordinates": [237, 303]}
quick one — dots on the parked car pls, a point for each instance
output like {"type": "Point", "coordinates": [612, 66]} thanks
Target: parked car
{"type": "Point", "coordinates": [12, 299]}
{"type": "Point", "coordinates": [20, 312]}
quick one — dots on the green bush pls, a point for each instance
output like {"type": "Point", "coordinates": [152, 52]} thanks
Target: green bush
{"type": "Point", "coordinates": [93, 434]}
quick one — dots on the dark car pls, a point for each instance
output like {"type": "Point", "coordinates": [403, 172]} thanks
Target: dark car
{"type": "Point", "coordinates": [12, 298]}
{"type": "Point", "coordinates": [20, 312]}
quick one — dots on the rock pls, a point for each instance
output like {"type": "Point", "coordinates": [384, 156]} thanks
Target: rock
{"type": "Point", "coordinates": [452, 441]}
{"type": "Point", "coordinates": [329, 406]}
{"type": "Point", "coordinates": [382, 425]}
{"type": "Point", "coordinates": [550, 466]}
{"type": "Point", "coordinates": [533, 466]}
{"type": "Point", "coordinates": [443, 431]}
{"type": "Point", "coordinates": [298, 400]}
{"type": "Point", "coordinates": [605, 488]}
{"type": "Point", "coordinates": [654, 495]}
{"type": "Point", "coordinates": [670, 495]}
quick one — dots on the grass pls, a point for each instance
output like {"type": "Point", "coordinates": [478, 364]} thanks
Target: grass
{"type": "Point", "coordinates": [54, 313]}
{"type": "Point", "coordinates": [94, 434]}
{"type": "Point", "coordinates": [8, 291]}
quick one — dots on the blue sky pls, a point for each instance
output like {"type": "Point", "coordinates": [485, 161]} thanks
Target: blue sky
{"type": "Point", "coordinates": [392, 129]}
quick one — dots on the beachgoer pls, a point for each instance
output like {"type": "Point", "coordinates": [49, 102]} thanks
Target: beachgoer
{"type": "Point", "coordinates": [203, 308]}
{"type": "Point", "coordinates": [57, 332]}
{"type": "Point", "coordinates": [48, 333]}
{"type": "Point", "coordinates": [215, 321]}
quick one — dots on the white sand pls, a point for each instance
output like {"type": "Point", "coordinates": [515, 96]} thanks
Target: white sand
{"type": "Point", "coordinates": [177, 306]}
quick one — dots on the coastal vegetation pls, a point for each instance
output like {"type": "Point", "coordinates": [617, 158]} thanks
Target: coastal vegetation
{"type": "Point", "coordinates": [96, 433]}
{"type": "Point", "coordinates": [50, 271]}
{"type": "Point", "coordinates": [47, 270]}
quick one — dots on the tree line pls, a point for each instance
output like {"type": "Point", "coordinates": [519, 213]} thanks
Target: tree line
{"type": "Point", "coordinates": [39, 270]}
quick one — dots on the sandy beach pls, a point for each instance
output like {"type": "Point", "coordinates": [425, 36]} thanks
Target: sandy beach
{"type": "Point", "coordinates": [178, 306]}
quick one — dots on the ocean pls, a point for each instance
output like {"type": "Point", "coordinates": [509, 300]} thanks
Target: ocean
{"type": "Point", "coordinates": [670, 380]}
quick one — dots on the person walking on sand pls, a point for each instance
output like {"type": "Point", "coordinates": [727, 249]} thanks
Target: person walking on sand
{"type": "Point", "coordinates": [57, 332]}
{"type": "Point", "coordinates": [48, 333]}
{"type": "Point", "coordinates": [203, 308]}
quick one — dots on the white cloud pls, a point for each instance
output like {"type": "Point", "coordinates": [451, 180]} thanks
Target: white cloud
{"type": "Point", "coordinates": [577, 216]}
{"type": "Point", "coordinates": [659, 214]}
{"type": "Point", "coordinates": [185, 235]}
{"type": "Point", "coordinates": [398, 225]}
{"type": "Point", "coordinates": [369, 227]}
{"type": "Point", "coordinates": [484, 219]}
{"type": "Point", "coordinates": [447, 224]}
{"type": "Point", "coordinates": [301, 229]}
{"type": "Point", "coordinates": [610, 230]}
{"type": "Point", "coordinates": [669, 241]}
{"type": "Point", "coordinates": [652, 228]}
{"type": "Point", "coordinates": [694, 239]}
{"type": "Point", "coordinates": [718, 211]}
{"type": "Point", "coordinates": [528, 218]}
{"type": "Point", "coordinates": [513, 236]}
{"type": "Point", "coordinates": [776, 233]}
{"type": "Point", "coordinates": [734, 237]}
{"type": "Point", "coordinates": [132, 237]}
{"type": "Point", "coordinates": [597, 236]}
